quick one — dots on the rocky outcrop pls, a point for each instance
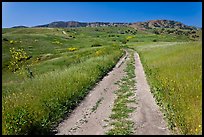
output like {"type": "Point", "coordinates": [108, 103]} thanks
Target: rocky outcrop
{"type": "Point", "coordinates": [160, 24]}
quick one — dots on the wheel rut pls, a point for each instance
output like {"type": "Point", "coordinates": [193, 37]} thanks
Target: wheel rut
{"type": "Point", "coordinates": [148, 118]}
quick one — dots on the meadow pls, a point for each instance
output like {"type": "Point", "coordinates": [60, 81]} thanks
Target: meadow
{"type": "Point", "coordinates": [65, 66]}
{"type": "Point", "coordinates": [174, 72]}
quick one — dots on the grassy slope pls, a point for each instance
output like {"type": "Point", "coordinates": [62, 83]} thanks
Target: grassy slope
{"type": "Point", "coordinates": [37, 103]}
{"type": "Point", "coordinates": [54, 92]}
{"type": "Point", "coordinates": [175, 75]}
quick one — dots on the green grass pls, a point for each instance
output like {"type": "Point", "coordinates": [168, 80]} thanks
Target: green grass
{"type": "Point", "coordinates": [38, 103]}
{"type": "Point", "coordinates": [121, 124]}
{"type": "Point", "coordinates": [175, 75]}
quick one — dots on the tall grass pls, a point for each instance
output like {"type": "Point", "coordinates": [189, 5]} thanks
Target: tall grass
{"type": "Point", "coordinates": [62, 62]}
{"type": "Point", "coordinates": [175, 76]}
{"type": "Point", "coordinates": [38, 104]}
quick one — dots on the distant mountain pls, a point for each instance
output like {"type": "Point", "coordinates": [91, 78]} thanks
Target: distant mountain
{"type": "Point", "coordinates": [161, 24]}
{"type": "Point", "coordinates": [69, 24]}
{"type": "Point", "coordinates": [138, 25]}
{"type": "Point", "coordinates": [62, 24]}
{"type": "Point", "coordinates": [20, 27]}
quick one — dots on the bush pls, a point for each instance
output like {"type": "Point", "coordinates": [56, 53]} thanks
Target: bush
{"type": "Point", "coordinates": [156, 32]}
{"type": "Point", "coordinates": [96, 45]}
{"type": "Point", "coordinates": [5, 39]}
{"type": "Point", "coordinates": [124, 41]}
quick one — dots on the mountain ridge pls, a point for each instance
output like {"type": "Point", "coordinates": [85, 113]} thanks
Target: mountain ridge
{"type": "Point", "coordinates": [150, 24]}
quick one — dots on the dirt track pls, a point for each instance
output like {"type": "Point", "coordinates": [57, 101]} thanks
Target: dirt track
{"type": "Point", "coordinates": [148, 118]}
{"type": "Point", "coordinates": [92, 115]}
{"type": "Point", "coordinates": [88, 121]}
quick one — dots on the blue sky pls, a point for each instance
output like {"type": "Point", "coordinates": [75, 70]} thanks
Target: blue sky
{"type": "Point", "coordinates": [37, 13]}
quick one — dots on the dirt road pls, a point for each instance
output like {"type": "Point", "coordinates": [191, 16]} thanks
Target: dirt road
{"type": "Point", "coordinates": [148, 118]}
{"type": "Point", "coordinates": [92, 115]}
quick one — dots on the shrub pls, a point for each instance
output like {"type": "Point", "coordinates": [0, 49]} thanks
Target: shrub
{"type": "Point", "coordinates": [96, 45]}
{"type": "Point", "coordinates": [5, 39]}
{"type": "Point", "coordinates": [124, 41]}
{"type": "Point", "coordinates": [156, 32]}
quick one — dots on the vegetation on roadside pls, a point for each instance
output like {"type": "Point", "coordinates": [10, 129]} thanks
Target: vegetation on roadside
{"type": "Point", "coordinates": [97, 104]}
{"type": "Point", "coordinates": [38, 103]}
{"type": "Point", "coordinates": [121, 124]}
{"type": "Point", "coordinates": [174, 73]}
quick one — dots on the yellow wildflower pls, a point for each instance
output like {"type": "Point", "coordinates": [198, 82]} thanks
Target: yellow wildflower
{"type": "Point", "coordinates": [199, 126]}
{"type": "Point", "coordinates": [72, 49]}
{"type": "Point", "coordinates": [11, 41]}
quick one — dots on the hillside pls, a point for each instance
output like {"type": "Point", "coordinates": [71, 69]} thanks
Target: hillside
{"type": "Point", "coordinates": [137, 25]}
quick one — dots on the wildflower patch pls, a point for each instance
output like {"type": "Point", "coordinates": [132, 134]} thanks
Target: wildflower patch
{"type": "Point", "coordinates": [72, 49]}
